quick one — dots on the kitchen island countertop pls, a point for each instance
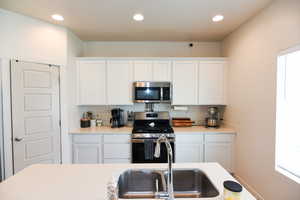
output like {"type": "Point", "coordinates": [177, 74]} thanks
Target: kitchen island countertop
{"type": "Point", "coordinates": [89, 182]}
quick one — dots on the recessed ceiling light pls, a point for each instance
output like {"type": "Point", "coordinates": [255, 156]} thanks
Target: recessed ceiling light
{"type": "Point", "coordinates": [138, 17]}
{"type": "Point", "coordinates": [57, 17]}
{"type": "Point", "coordinates": [218, 18]}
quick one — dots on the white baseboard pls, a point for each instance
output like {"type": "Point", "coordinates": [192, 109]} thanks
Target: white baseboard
{"type": "Point", "coordinates": [249, 188]}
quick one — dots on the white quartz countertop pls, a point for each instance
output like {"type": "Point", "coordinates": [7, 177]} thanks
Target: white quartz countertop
{"type": "Point", "coordinates": [127, 130]}
{"type": "Point", "coordinates": [89, 182]}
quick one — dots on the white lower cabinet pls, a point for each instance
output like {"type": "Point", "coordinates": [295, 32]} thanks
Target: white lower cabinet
{"type": "Point", "coordinates": [219, 148]}
{"type": "Point", "coordinates": [189, 148]}
{"type": "Point", "coordinates": [189, 153]}
{"type": "Point", "coordinates": [209, 147]}
{"type": "Point", "coordinates": [101, 149]}
{"type": "Point", "coordinates": [221, 153]}
{"type": "Point", "coordinates": [87, 149]}
{"type": "Point", "coordinates": [87, 154]}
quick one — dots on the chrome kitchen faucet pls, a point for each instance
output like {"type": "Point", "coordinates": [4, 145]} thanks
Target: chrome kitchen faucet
{"type": "Point", "coordinates": [170, 192]}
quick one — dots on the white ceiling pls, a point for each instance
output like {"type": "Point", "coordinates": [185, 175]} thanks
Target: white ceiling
{"type": "Point", "coordinates": [165, 20]}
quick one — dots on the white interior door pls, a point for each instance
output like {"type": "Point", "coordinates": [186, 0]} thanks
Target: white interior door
{"type": "Point", "coordinates": [35, 114]}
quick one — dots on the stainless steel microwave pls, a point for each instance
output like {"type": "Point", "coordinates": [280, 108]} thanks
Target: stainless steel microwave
{"type": "Point", "coordinates": [152, 92]}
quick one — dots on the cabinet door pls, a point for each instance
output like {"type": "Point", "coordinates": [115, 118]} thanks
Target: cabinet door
{"type": "Point", "coordinates": [162, 71]}
{"type": "Point", "coordinates": [87, 154]}
{"type": "Point", "coordinates": [211, 83]}
{"type": "Point", "coordinates": [91, 80]}
{"type": "Point", "coordinates": [189, 148]}
{"type": "Point", "coordinates": [143, 71]}
{"type": "Point", "coordinates": [185, 84]}
{"type": "Point", "coordinates": [220, 153]}
{"type": "Point", "coordinates": [119, 82]}
{"type": "Point", "coordinates": [189, 153]}
{"type": "Point", "coordinates": [116, 151]}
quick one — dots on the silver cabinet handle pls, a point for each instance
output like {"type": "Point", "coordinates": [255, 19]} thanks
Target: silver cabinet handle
{"type": "Point", "coordinates": [18, 139]}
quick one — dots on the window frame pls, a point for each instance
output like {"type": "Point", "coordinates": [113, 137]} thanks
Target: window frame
{"type": "Point", "coordinates": [280, 93]}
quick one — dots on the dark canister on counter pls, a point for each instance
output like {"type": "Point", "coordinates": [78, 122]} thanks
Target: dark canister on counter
{"type": "Point", "coordinates": [85, 121]}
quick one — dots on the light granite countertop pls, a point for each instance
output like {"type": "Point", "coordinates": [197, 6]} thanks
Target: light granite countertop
{"type": "Point", "coordinates": [127, 130]}
{"type": "Point", "coordinates": [89, 182]}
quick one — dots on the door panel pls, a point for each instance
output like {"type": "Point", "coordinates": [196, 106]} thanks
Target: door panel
{"type": "Point", "coordinates": [211, 83]}
{"type": "Point", "coordinates": [189, 153]}
{"type": "Point", "coordinates": [143, 71]}
{"type": "Point", "coordinates": [119, 82]}
{"type": "Point", "coordinates": [221, 153]}
{"type": "Point", "coordinates": [162, 71]}
{"type": "Point", "coordinates": [35, 114]}
{"type": "Point", "coordinates": [92, 82]}
{"type": "Point", "coordinates": [87, 154]}
{"type": "Point", "coordinates": [185, 84]}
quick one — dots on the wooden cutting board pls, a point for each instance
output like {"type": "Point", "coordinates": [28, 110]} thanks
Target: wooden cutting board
{"type": "Point", "coordinates": [182, 122]}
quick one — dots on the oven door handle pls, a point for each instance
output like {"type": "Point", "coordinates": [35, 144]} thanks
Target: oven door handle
{"type": "Point", "coordinates": [143, 140]}
{"type": "Point", "coordinates": [140, 140]}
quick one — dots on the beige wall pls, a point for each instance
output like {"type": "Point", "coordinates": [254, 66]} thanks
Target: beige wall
{"type": "Point", "coordinates": [252, 50]}
{"type": "Point", "coordinates": [30, 39]}
{"type": "Point", "coordinates": [152, 49]}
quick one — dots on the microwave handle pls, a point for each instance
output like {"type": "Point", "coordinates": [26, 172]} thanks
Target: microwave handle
{"type": "Point", "coordinates": [161, 93]}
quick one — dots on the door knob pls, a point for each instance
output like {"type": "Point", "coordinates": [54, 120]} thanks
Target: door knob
{"type": "Point", "coordinates": [18, 139]}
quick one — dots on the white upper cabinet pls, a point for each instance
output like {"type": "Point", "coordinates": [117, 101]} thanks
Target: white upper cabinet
{"type": "Point", "coordinates": [91, 82]}
{"type": "Point", "coordinates": [211, 81]}
{"type": "Point", "coordinates": [147, 70]}
{"type": "Point", "coordinates": [162, 70]}
{"type": "Point", "coordinates": [185, 84]}
{"type": "Point", "coordinates": [109, 81]}
{"type": "Point", "coordinates": [119, 82]}
{"type": "Point", "coordinates": [143, 71]}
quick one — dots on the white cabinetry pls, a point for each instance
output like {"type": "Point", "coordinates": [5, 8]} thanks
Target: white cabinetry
{"type": "Point", "coordinates": [119, 82]}
{"type": "Point", "coordinates": [189, 148]}
{"type": "Point", "coordinates": [108, 81]}
{"type": "Point", "coordinates": [87, 149]}
{"type": "Point", "coordinates": [209, 147]}
{"type": "Point", "coordinates": [162, 70]}
{"type": "Point", "coordinates": [117, 149]}
{"type": "Point", "coordinates": [219, 148]}
{"type": "Point", "coordinates": [148, 70]}
{"type": "Point", "coordinates": [91, 82]}
{"type": "Point", "coordinates": [185, 84]}
{"type": "Point", "coordinates": [211, 83]}
{"type": "Point", "coordinates": [94, 149]}
{"type": "Point", "coordinates": [143, 71]}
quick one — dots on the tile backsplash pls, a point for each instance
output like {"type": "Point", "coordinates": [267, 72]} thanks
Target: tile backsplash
{"type": "Point", "coordinates": [196, 113]}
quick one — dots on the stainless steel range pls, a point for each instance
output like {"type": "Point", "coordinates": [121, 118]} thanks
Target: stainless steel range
{"type": "Point", "coordinates": [147, 128]}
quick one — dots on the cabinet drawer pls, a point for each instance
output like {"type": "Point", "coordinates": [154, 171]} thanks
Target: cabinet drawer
{"type": "Point", "coordinates": [221, 137]}
{"type": "Point", "coordinates": [117, 151]}
{"type": "Point", "coordinates": [117, 161]}
{"type": "Point", "coordinates": [117, 139]}
{"type": "Point", "coordinates": [87, 139]}
{"type": "Point", "coordinates": [189, 138]}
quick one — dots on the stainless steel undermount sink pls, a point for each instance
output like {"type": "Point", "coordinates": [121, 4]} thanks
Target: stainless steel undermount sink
{"type": "Point", "coordinates": [146, 183]}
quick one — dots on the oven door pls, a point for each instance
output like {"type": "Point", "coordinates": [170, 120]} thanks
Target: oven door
{"type": "Point", "coordinates": [138, 152]}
